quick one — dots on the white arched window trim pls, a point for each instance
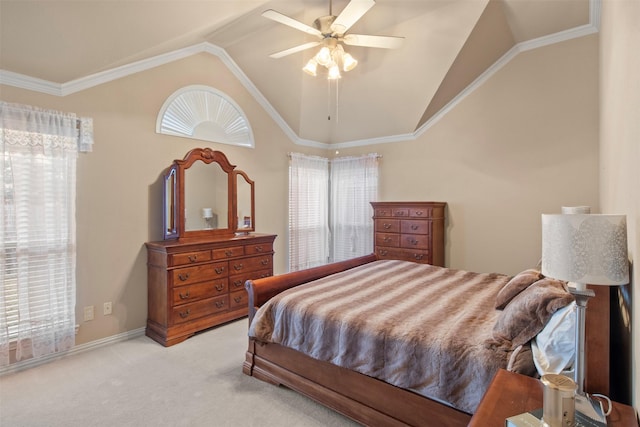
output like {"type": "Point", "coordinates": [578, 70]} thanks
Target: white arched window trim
{"type": "Point", "coordinates": [202, 112]}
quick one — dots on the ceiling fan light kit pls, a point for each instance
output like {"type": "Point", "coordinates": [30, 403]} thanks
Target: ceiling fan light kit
{"type": "Point", "coordinates": [331, 30]}
{"type": "Point", "coordinates": [332, 57]}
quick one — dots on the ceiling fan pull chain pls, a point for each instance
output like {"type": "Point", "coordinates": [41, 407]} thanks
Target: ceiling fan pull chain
{"type": "Point", "coordinates": [328, 99]}
{"type": "Point", "coordinates": [337, 102]}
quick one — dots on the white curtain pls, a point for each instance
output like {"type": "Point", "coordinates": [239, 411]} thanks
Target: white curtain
{"type": "Point", "coordinates": [308, 211]}
{"type": "Point", "coordinates": [354, 184]}
{"type": "Point", "coordinates": [37, 228]}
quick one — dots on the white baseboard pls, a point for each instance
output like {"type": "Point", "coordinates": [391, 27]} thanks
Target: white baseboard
{"type": "Point", "coordinates": [30, 363]}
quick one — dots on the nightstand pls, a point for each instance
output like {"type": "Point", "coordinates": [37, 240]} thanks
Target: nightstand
{"type": "Point", "coordinates": [511, 394]}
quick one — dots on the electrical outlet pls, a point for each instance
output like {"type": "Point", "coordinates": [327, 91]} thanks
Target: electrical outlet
{"type": "Point", "coordinates": [107, 308]}
{"type": "Point", "coordinates": [88, 313]}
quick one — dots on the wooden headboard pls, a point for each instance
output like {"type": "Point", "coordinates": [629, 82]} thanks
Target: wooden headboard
{"type": "Point", "coordinates": [597, 324]}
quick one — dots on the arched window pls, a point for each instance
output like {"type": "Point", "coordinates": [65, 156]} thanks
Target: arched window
{"type": "Point", "coordinates": [202, 112]}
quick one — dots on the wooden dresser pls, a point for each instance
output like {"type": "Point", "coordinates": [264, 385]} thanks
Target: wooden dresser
{"type": "Point", "coordinates": [197, 284]}
{"type": "Point", "coordinates": [412, 231]}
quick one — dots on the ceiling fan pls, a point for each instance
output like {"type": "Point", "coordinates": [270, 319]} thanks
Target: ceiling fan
{"type": "Point", "coordinates": [331, 31]}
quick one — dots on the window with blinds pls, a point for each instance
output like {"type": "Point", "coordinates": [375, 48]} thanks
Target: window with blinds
{"type": "Point", "coordinates": [37, 230]}
{"type": "Point", "coordinates": [330, 216]}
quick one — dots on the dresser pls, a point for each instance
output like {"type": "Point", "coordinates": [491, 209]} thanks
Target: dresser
{"type": "Point", "coordinates": [196, 284]}
{"type": "Point", "coordinates": [411, 231]}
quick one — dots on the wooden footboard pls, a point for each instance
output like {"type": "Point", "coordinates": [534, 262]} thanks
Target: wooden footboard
{"type": "Point", "coordinates": [364, 399]}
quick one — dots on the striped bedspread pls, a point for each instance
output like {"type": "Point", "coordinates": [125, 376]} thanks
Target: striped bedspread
{"type": "Point", "coordinates": [416, 326]}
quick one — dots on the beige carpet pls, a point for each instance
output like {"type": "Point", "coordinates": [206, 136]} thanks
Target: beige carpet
{"type": "Point", "coordinates": [140, 383]}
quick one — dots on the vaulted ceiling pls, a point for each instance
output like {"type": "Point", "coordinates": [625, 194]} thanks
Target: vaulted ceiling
{"type": "Point", "coordinates": [448, 44]}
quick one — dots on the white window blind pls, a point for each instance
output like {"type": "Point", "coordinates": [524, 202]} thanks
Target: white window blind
{"type": "Point", "coordinates": [354, 184]}
{"type": "Point", "coordinates": [37, 229]}
{"type": "Point", "coordinates": [334, 225]}
{"type": "Point", "coordinates": [308, 214]}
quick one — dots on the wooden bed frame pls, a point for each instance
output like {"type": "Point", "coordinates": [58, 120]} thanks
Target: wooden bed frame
{"type": "Point", "coordinates": [373, 402]}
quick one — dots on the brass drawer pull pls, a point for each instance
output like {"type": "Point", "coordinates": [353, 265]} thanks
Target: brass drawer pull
{"type": "Point", "coordinates": [219, 270]}
{"type": "Point", "coordinates": [259, 249]}
{"type": "Point", "coordinates": [382, 213]}
{"type": "Point", "coordinates": [193, 258]}
{"type": "Point", "coordinates": [413, 241]}
{"type": "Point", "coordinates": [219, 304]}
{"type": "Point", "coordinates": [414, 227]}
{"type": "Point", "coordinates": [418, 256]}
{"type": "Point", "coordinates": [238, 267]}
{"type": "Point", "coordinates": [387, 239]}
{"type": "Point", "coordinates": [228, 253]}
{"type": "Point", "coordinates": [419, 213]}
{"type": "Point", "coordinates": [184, 314]}
{"type": "Point", "coordinates": [401, 213]}
{"type": "Point", "coordinates": [183, 277]}
{"type": "Point", "coordinates": [386, 226]}
{"type": "Point", "coordinates": [237, 283]}
{"type": "Point", "coordinates": [383, 252]}
{"type": "Point", "coordinates": [264, 262]}
{"type": "Point", "coordinates": [219, 287]}
{"type": "Point", "coordinates": [185, 296]}
{"type": "Point", "coordinates": [263, 275]}
{"type": "Point", "coordinates": [237, 299]}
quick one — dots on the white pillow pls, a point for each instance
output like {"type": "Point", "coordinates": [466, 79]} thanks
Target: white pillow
{"type": "Point", "coordinates": [554, 347]}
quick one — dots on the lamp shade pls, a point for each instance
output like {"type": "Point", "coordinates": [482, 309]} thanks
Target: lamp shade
{"type": "Point", "coordinates": [586, 249]}
{"type": "Point", "coordinates": [207, 213]}
{"type": "Point", "coordinates": [576, 210]}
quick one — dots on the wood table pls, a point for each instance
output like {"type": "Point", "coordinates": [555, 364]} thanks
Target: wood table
{"type": "Point", "coordinates": [511, 394]}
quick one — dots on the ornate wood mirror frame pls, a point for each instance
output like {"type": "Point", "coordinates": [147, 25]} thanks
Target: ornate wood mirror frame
{"type": "Point", "coordinates": [201, 197]}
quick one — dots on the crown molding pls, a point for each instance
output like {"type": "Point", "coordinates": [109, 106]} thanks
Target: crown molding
{"type": "Point", "coordinates": [63, 89]}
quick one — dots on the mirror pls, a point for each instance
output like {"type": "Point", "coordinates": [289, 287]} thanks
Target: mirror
{"type": "Point", "coordinates": [204, 196]}
{"type": "Point", "coordinates": [245, 213]}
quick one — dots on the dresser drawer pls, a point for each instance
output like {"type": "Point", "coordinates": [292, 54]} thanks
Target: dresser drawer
{"type": "Point", "coordinates": [388, 225]}
{"type": "Point", "coordinates": [191, 293]}
{"type": "Point", "coordinates": [416, 255]}
{"type": "Point", "coordinates": [420, 212]}
{"type": "Point", "coordinates": [189, 258]}
{"type": "Point", "coordinates": [232, 251]}
{"type": "Point", "coordinates": [414, 241]}
{"type": "Point", "coordinates": [414, 226]}
{"type": "Point", "coordinates": [388, 239]}
{"type": "Point", "coordinates": [383, 212]}
{"type": "Point", "coordinates": [249, 264]}
{"type": "Point", "coordinates": [239, 299]}
{"type": "Point", "coordinates": [400, 212]}
{"type": "Point", "coordinates": [194, 310]}
{"type": "Point", "coordinates": [258, 248]}
{"type": "Point", "coordinates": [237, 282]}
{"type": "Point", "coordinates": [199, 273]}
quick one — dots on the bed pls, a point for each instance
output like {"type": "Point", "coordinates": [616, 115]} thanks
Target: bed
{"type": "Point", "coordinates": [339, 364]}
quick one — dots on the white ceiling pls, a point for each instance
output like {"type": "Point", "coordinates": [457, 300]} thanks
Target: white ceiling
{"type": "Point", "coordinates": [448, 44]}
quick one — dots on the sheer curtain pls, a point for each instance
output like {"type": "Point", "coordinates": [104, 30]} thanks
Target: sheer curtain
{"type": "Point", "coordinates": [354, 183]}
{"type": "Point", "coordinates": [308, 211]}
{"type": "Point", "coordinates": [37, 228]}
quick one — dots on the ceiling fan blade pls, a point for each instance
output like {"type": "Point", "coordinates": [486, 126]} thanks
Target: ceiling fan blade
{"type": "Point", "coordinates": [385, 42]}
{"type": "Point", "coordinates": [350, 15]}
{"type": "Point", "coordinates": [284, 19]}
{"type": "Point", "coordinates": [294, 50]}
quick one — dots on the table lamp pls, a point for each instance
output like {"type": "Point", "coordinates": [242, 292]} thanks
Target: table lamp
{"type": "Point", "coordinates": [584, 249]}
{"type": "Point", "coordinates": [207, 214]}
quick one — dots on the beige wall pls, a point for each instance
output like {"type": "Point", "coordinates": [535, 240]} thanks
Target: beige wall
{"type": "Point", "coordinates": [620, 140]}
{"type": "Point", "coordinates": [524, 143]}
